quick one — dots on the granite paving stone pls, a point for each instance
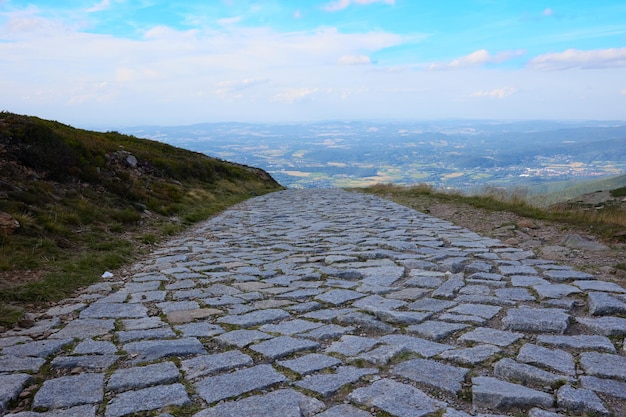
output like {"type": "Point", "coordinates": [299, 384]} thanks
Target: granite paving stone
{"type": "Point", "coordinates": [331, 303]}
{"type": "Point", "coordinates": [215, 388]}
{"type": "Point", "coordinates": [284, 403]}
{"type": "Point", "coordinates": [326, 384]}
{"type": "Point", "coordinates": [210, 364]}
{"type": "Point", "coordinates": [437, 374]}
{"type": "Point", "coordinates": [143, 376]}
{"type": "Point", "coordinates": [152, 398]}
{"type": "Point", "coordinates": [70, 391]}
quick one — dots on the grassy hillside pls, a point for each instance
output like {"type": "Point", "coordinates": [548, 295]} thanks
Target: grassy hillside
{"type": "Point", "coordinates": [557, 192]}
{"type": "Point", "coordinates": [90, 202]}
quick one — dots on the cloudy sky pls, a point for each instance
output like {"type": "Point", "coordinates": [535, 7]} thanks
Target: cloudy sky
{"type": "Point", "coordinates": [100, 63]}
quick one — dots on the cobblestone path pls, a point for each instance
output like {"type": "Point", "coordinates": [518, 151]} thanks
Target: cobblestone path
{"type": "Point", "coordinates": [326, 303]}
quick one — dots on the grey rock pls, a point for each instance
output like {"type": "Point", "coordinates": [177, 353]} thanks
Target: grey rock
{"type": "Point", "coordinates": [158, 333]}
{"type": "Point", "coordinates": [436, 330]}
{"type": "Point", "coordinates": [580, 401]}
{"type": "Point", "coordinates": [70, 391]}
{"type": "Point", "coordinates": [242, 338]}
{"type": "Point", "coordinates": [536, 320]}
{"type": "Point", "coordinates": [600, 286]}
{"type": "Point", "coordinates": [10, 363]}
{"type": "Point", "coordinates": [492, 393]}
{"type": "Point", "coordinates": [425, 348]}
{"type": "Point", "coordinates": [255, 318]}
{"type": "Point", "coordinates": [94, 347]}
{"type": "Point", "coordinates": [147, 351]}
{"type": "Point", "coordinates": [436, 374]}
{"type": "Point", "coordinates": [606, 326]}
{"type": "Point", "coordinates": [337, 297]}
{"type": "Point", "coordinates": [283, 346]}
{"type": "Point", "coordinates": [350, 345]}
{"type": "Point", "coordinates": [147, 399]}
{"type": "Point", "coordinates": [200, 329]}
{"type": "Point", "coordinates": [307, 364]}
{"type": "Point", "coordinates": [327, 384]}
{"type": "Point", "coordinates": [143, 376]}
{"type": "Point", "coordinates": [209, 364]}
{"type": "Point", "coordinates": [471, 356]}
{"type": "Point", "coordinates": [491, 336]}
{"type": "Point", "coordinates": [284, 403]}
{"type": "Point", "coordinates": [397, 399]}
{"type": "Point", "coordinates": [604, 365]}
{"type": "Point", "coordinates": [613, 388]}
{"type": "Point", "coordinates": [603, 304]}
{"type": "Point", "coordinates": [216, 388]}
{"type": "Point", "coordinates": [526, 374]}
{"type": "Point", "coordinates": [574, 241]}
{"type": "Point", "coordinates": [10, 388]}
{"type": "Point", "coordinates": [449, 288]}
{"type": "Point", "coordinates": [328, 331]}
{"type": "Point", "coordinates": [85, 328]}
{"type": "Point", "coordinates": [365, 322]}
{"type": "Point", "coordinates": [582, 342]}
{"type": "Point", "coordinates": [556, 359]}
{"type": "Point", "coordinates": [431, 304]}
{"type": "Point", "coordinates": [555, 290]}
{"type": "Point", "coordinates": [39, 349]}
{"type": "Point", "coordinates": [114, 311]}
{"type": "Point", "coordinates": [91, 362]}
{"type": "Point", "coordinates": [561, 275]}
{"type": "Point", "coordinates": [290, 327]}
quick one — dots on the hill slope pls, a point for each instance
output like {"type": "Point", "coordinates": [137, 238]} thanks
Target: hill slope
{"type": "Point", "coordinates": [74, 203]}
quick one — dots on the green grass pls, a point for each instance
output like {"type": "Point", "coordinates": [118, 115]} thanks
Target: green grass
{"type": "Point", "coordinates": [83, 210]}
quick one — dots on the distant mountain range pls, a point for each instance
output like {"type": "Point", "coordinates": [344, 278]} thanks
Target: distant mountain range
{"type": "Point", "coordinates": [538, 155]}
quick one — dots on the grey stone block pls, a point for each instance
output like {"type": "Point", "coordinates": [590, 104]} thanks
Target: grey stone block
{"type": "Point", "coordinates": [397, 399]}
{"type": "Point", "coordinates": [200, 329]}
{"type": "Point", "coordinates": [603, 304]}
{"type": "Point", "coordinates": [536, 320]}
{"type": "Point", "coordinates": [147, 399]}
{"type": "Point", "coordinates": [365, 322]}
{"type": "Point", "coordinates": [310, 363]}
{"type": "Point", "coordinates": [582, 342]}
{"type": "Point", "coordinates": [344, 410]}
{"type": "Point", "coordinates": [471, 356]}
{"type": "Point", "coordinates": [328, 383]}
{"type": "Point", "coordinates": [350, 345]}
{"type": "Point", "coordinates": [158, 333]}
{"type": "Point", "coordinates": [556, 359]}
{"type": "Point", "coordinates": [10, 388]}
{"type": "Point", "coordinates": [100, 310]}
{"type": "Point", "coordinates": [436, 374]}
{"type": "Point", "coordinates": [290, 327]}
{"type": "Point", "coordinates": [255, 318]}
{"type": "Point", "coordinates": [242, 338]}
{"type": "Point", "coordinates": [492, 393]}
{"type": "Point", "coordinates": [491, 336]}
{"type": "Point", "coordinates": [606, 326]}
{"type": "Point", "coordinates": [39, 349]}
{"type": "Point", "coordinates": [216, 388]}
{"type": "Point", "coordinates": [422, 347]}
{"type": "Point", "coordinates": [10, 363]}
{"type": "Point", "coordinates": [436, 330]}
{"type": "Point", "coordinates": [613, 388]}
{"type": "Point", "coordinates": [70, 391]}
{"type": "Point", "coordinates": [147, 351]}
{"type": "Point", "coordinates": [90, 362]}
{"type": "Point", "coordinates": [85, 328]}
{"type": "Point", "coordinates": [328, 331]}
{"type": "Point", "coordinates": [283, 346]}
{"type": "Point", "coordinates": [580, 401]}
{"type": "Point", "coordinates": [284, 403]}
{"type": "Point", "coordinates": [526, 374]}
{"type": "Point", "coordinates": [604, 365]}
{"type": "Point", "coordinates": [143, 376]}
{"type": "Point", "coordinates": [337, 297]}
{"type": "Point", "coordinates": [79, 411]}
{"type": "Point", "coordinates": [95, 347]}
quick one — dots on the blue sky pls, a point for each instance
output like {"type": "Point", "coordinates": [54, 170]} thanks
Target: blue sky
{"type": "Point", "coordinates": [101, 63]}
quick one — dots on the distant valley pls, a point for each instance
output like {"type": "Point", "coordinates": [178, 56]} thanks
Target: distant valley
{"type": "Point", "coordinates": [464, 155]}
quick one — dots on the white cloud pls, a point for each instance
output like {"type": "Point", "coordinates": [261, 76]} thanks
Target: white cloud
{"type": "Point", "coordinates": [294, 95]}
{"type": "Point", "coordinates": [103, 5]}
{"type": "Point", "coordinates": [355, 60]}
{"type": "Point", "coordinates": [344, 4]}
{"type": "Point", "coordinates": [623, 92]}
{"type": "Point", "coordinates": [575, 58]}
{"type": "Point", "coordinates": [229, 21]}
{"type": "Point", "coordinates": [476, 58]}
{"type": "Point", "coordinates": [496, 93]}
{"type": "Point", "coordinates": [548, 12]}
